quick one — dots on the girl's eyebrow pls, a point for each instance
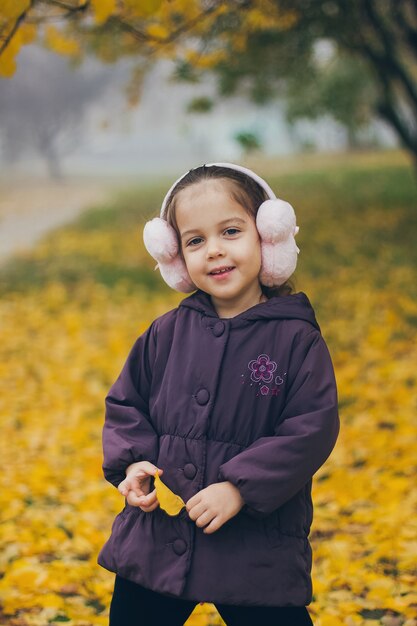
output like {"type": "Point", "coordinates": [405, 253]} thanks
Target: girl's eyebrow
{"type": "Point", "coordinates": [229, 219]}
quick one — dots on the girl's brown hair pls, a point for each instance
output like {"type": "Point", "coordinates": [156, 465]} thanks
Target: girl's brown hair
{"type": "Point", "coordinates": [244, 190]}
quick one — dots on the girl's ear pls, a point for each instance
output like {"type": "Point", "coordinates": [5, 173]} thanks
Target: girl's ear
{"type": "Point", "coordinates": [161, 241]}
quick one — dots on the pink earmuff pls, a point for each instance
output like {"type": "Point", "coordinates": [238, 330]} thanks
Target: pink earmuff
{"type": "Point", "coordinates": [276, 224]}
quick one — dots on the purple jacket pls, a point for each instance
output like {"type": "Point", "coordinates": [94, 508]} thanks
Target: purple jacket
{"type": "Point", "coordinates": [252, 400]}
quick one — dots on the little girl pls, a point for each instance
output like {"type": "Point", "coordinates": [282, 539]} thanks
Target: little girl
{"type": "Point", "coordinates": [231, 398]}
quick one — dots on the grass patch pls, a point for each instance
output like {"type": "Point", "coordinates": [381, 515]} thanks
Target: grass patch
{"type": "Point", "coordinates": [358, 216]}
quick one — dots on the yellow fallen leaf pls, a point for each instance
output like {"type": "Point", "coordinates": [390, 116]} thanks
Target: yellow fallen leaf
{"type": "Point", "coordinates": [168, 500]}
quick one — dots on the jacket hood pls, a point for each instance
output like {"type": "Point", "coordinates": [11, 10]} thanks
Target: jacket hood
{"type": "Point", "coordinates": [294, 306]}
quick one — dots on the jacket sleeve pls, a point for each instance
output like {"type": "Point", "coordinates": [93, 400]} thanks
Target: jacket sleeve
{"type": "Point", "coordinates": [274, 468]}
{"type": "Point", "coordinates": [128, 435]}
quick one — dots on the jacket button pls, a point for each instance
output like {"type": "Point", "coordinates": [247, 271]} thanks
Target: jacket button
{"type": "Point", "coordinates": [218, 329]}
{"type": "Point", "coordinates": [190, 470]}
{"type": "Point", "coordinates": [179, 546]}
{"type": "Point", "coordinates": [202, 396]}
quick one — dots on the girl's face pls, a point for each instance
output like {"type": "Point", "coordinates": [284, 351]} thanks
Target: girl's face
{"type": "Point", "coordinates": [217, 233]}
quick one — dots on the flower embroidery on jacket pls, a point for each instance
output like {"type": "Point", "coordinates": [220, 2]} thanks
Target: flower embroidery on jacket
{"type": "Point", "coordinates": [262, 373]}
{"type": "Point", "coordinates": [262, 369]}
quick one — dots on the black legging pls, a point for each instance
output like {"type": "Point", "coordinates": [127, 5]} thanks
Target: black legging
{"type": "Point", "coordinates": [133, 605]}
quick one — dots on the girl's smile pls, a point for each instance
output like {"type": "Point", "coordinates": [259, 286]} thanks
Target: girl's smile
{"type": "Point", "coordinates": [220, 273]}
{"type": "Point", "coordinates": [220, 245]}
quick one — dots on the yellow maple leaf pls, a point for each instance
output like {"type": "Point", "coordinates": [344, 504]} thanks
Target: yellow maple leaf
{"type": "Point", "coordinates": [168, 500]}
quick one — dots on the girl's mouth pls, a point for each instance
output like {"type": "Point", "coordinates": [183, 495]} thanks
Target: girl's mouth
{"type": "Point", "coordinates": [222, 274]}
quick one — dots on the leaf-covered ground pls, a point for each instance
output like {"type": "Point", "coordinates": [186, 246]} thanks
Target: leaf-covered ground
{"type": "Point", "coordinates": [72, 308]}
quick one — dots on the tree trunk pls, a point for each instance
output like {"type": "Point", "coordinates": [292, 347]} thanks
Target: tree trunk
{"type": "Point", "coordinates": [47, 149]}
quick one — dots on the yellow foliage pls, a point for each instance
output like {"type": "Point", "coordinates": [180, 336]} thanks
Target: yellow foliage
{"type": "Point", "coordinates": [59, 42]}
{"type": "Point", "coordinates": [25, 35]}
{"type": "Point", "coordinates": [157, 30]}
{"type": "Point", "coordinates": [142, 8]}
{"type": "Point", "coordinates": [206, 60]}
{"type": "Point", "coordinates": [266, 15]}
{"type": "Point", "coordinates": [12, 9]}
{"type": "Point", "coordinates": [103, 9]}
{"type": "Point", "coordinates": [168, 500]}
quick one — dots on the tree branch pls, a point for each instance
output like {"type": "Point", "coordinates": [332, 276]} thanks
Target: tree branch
{"type": "Point", "coordinates": [387, 107]}
{"type": "Point", "coordinates": [386, 110]}
{"type": "Point", "coordinates": [69, 7]}
{"type": "Point", "coordinates": [397, 7]}
{"type": "Point", "coordinates": [186, 26]}
{"type": "Point", "coordinates": [388, 61]}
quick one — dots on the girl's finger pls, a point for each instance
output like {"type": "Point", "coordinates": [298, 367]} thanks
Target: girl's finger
{"type": "Point", "coordinates": [123, 488]}
{"type": "Point", "coordinates": [141, 491]}
{"type": "Point", "coordinates": [142, 502]}
{"type": "Point", "coordinates": [204, 519]}
{"type": "Point", "coordinates": [148, 509]}
{"type": "Point", "coordinates": [214, 525]}
{"type": "Point", "coordinates": [197, 510]}
{"type": "Point", "coordinates": [149, 499]}
{"type": "Point", "coordinates": [148, 468]}
{"type": "Point", "coordinates": [128, 482]}
{"type": "Point", "coordinates": [134, 499]}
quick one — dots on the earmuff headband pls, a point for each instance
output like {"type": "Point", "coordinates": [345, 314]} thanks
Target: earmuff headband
{"type": "Point", "coordinates": [231, 166]}
{"type": "Point", "coordinates": [276, 225]}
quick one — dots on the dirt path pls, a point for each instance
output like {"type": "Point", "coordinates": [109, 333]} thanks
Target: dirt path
{"type": "Point", "coordinates": [30, 209]}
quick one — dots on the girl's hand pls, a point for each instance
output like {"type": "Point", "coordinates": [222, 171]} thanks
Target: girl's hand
{"type": "Point", "coordinates": [213, 506]}
{"type": "Point", "coordinates": [136, 486]}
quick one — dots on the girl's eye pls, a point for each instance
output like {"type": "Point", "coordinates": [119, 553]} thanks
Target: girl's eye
{"type": "Point", "coordinates": [197, 240]}
{"type": "Point", "coordinates": [192, 242]}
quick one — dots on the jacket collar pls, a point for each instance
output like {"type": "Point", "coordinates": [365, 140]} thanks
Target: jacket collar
{"type": "Point", "coordinates": [294, 306]}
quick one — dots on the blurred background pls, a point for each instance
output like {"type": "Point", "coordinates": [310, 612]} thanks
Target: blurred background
{"type": "Point", "coordinates": [78, 121]}
{"type": "Point", "coordinates": [103, 104]}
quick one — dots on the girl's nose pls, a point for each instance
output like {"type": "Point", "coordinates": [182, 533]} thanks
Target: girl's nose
{"type": "Point", "coordinates": [214, 248]}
